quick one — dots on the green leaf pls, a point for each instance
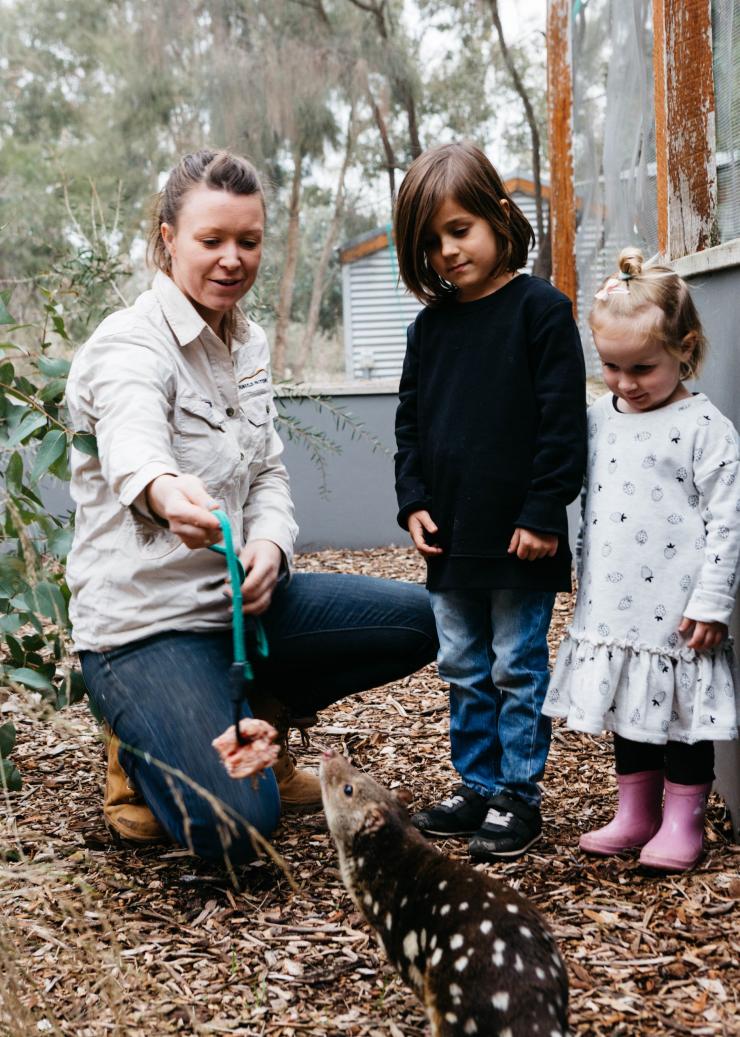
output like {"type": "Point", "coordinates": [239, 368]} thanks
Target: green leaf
{"type": "Point", "coordinates": [59, 327]}
{"type": "Point", "coordinates": [59, 542]}
{"type": "Point", "coordinates": [86, 443]}
{"type": "Point", "coordinates": [30, 679]}
{"type": "Point", "coordinates": [49, 602]}
{"type": "Point", "coordinates": [53, 390]}
{"type": "Point", "coordinates": [5, 317]}
{"type": "Point", "coordinates": [53, 366]}
{"type": "Point", "coordinates": [7, 373]}
{"type": "Point", "coordinates": [17, 654]}
{"type": "Point", "coordinates": [7, 739]}
{"type": "Point", "coordinates": [14, 474]}
{"type": "Point", "coordinates": [29, 424]}
{"type": "Point", "coordinates": [10, 623]}
{"type": "Point", "coordinates": [10, 776]}
{"type": "Point", "coordinates": [13, 345]}
{"type": "Point", "coordinates": [53, 445]}
{"type": "Point", "coordinates": [72, 690]}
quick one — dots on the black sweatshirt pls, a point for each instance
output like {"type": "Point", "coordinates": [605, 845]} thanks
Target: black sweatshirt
{"type": "Point", "coordinates": [491, 433]}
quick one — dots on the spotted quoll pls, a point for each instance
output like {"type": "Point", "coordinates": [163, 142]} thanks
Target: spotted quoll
{"type": "Point", "coordinates": [477, 954]}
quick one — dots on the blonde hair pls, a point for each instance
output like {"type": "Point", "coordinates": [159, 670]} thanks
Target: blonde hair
{"type": "Point", "coordinates": [460, 171]}
{"type": "Point", "coordinates": [630, 292]}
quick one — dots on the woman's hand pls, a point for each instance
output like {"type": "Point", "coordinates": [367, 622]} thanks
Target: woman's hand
{"type": "Point", "coordinates": [187, 507]}
{"type": "Point", "coordinates": [420, 522]}
{"type": "Point", "coordinates": [702, 636]}
{"type": "Point", "coordinates": [529, 546]}
{"type": "Point", "coordinates": [261, 560]}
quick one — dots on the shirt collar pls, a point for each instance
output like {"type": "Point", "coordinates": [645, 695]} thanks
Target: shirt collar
{"type": "Point", "coordinates": [183, 318]}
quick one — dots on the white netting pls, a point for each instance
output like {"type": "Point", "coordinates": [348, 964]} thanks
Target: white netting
{"type": "Point", "coordinates": [725, 41]}
{"type": "Point", "coordinates": [614, 142]}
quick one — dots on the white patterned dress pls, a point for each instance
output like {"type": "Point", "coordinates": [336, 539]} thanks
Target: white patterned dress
{"type": "Point", "coordinates": [661, 540]}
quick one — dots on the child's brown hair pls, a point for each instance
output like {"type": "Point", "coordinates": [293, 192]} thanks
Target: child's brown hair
{"type": "Point", "coordinates": [460, 171]}
{"type": "Point", "coordinates": [634, 288]}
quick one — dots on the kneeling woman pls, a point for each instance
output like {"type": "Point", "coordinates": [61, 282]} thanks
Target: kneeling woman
{"type": "Point", "coordinates": [177, 391]}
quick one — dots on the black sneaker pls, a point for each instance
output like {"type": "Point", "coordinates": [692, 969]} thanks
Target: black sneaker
{"type": "Point", "coordinates": [510, 827]}
{"type": "Point", "coordinates": [460, 814]}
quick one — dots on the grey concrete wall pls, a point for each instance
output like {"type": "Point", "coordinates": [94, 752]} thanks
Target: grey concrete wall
{"type": "Point", "coordinates": [717, 296]}
{"type": "Point", "coordinates": [358, 508]}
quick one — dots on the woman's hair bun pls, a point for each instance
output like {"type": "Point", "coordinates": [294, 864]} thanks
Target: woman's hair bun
{"type": "Point", "coordinates": [630, 262]}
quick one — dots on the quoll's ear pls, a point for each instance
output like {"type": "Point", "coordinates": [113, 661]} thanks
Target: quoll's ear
{"type": "Point", "coordinates": [405, 797]}
{"type": "Point", "coordinates": [375, 819]}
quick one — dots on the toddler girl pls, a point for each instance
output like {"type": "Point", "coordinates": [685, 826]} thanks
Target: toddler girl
{"type": "Point", "coordinates": [491, 448]}
{"type": "Point", "coordinates": [647, 656]}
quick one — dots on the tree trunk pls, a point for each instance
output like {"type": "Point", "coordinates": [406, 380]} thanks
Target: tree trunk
{"type": "Point", "coordinates": [531, 120]}
{"type": "Point", "coordinates": [287, 281]}
{"type": "Point", "coordinates": [390, 157]}
{"type": "Point", "coordinates": [319, 277]}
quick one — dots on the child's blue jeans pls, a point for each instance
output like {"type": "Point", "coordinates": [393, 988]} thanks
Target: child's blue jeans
{"type": "Point", "coordinates": [168, 696]}
{"type": "Point", "coordinates": [493, 654]}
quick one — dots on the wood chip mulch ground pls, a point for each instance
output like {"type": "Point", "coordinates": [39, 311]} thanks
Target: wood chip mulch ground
{"type": "Point", "coordinates": [98, 940]}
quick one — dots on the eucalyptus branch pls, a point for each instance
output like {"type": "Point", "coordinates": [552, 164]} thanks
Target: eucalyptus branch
{"type": "Point", "coordinates": [36, 406]}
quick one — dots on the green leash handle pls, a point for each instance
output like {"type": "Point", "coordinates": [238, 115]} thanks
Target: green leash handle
{"type": "Point", "coordinates": [241, 674]}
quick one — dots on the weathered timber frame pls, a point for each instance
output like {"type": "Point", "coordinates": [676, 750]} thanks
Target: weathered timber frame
{"type": "Point", "coordinates": [685, 132]}
{"type": "Point", "coordinates": [684, 127]}
{"type": "Point", "coordinates": [560, 118]}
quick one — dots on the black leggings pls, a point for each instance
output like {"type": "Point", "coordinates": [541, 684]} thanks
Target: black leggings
{"type": "Point", "coordinates": [683, 764]}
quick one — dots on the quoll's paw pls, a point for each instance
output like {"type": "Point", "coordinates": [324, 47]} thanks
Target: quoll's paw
{"type": "Point", "coordinates": [259, 752]}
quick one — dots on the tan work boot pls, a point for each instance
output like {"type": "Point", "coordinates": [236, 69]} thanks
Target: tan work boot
{"type": "Point", "coordinates": [125, 811]}
{"type": "Point", "coordinates": [300, 790]}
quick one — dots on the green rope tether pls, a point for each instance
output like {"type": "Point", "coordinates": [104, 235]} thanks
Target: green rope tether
{"type": "Point", "coordinates": [241, 672]}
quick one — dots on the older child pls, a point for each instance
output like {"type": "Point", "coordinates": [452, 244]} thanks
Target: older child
{"type": "Point", "coordinates": [491, 448]}
{"type": "Point", "coordinates": [647, 656]}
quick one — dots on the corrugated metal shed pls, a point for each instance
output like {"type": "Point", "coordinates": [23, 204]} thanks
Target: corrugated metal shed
{"type": "Point", "coordinates": [377, 309]}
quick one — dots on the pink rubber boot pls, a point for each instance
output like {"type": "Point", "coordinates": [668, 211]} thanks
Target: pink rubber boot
{"type": "Point", "coordinates": [637, 818]}
{"type": "Point", "coordinates": [679, 842]}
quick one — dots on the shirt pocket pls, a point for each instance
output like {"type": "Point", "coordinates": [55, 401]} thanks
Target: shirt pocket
{"type": "Point", "coordinates": [201, 444]}
{"type": "Point", "coordinates": [257, 412]}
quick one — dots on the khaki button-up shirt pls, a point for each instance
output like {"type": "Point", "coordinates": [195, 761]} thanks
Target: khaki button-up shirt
{"type": "Point", "coordinates": [163, 394]}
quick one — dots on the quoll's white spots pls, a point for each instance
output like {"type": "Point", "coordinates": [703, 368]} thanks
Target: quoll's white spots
{"type": "Point", "coordinates": [445, 909]}
{"type": "Point", "coordinates": [437, 956]}
{"type": "Point", "coordinates": [464, 905]}
{"type": "Point", "coordinates": [433, 942]}
{"type": "Point", "coordinates": [505, 1033]}
{"type": "Point", "coordinates": [540, 973]}
{"type": "Point", "coordinates": [367, 899]}
{"type": "Point", "coordinates": [423, 939]}
{"type": "Point", "coordinates": [525, 931]}
{"type": "Point", "coordinates": [376, 908]}
{"type": "Point", "coordinates": [404, 902]}
{"type": "Point", "coordinates": [456, 941]}
{"type": "Point", "coordinates": [486, 926]}
{"type": "Point", "coordinates": [461, 964]}
{"type": "Point", "coordinates": [470, 1026]}
{"type": "Point", "coordinates": [551, 1010]}
{"type": "Point", "coordinates": [518, 964]}
{"type": "Point", "coordinates": [512, 909]}
{"type": "Point", "coordinates": [415, 976]}
{"type": "Point", "coordinates": [450, 1017]}
{"type": "Point", "coordinates": [360, 862]}
{"type": "Point", "coordinates": [498, 953]}
{"type": "Point", "coordinates": [388, 921]}
{"type": "Point", "coordinates": [410, 945]}
{"type": "Point", "coordinates": [553, 972]}
{"type": "Point", "coordinates": [455, 990]}
{"type": "Point", "coordinates": [500, 1000]}
{"type": "Point", "coordinates": [442, 885]}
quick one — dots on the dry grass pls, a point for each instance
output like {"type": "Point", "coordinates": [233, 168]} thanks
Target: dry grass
{"type": "Point", "coordinates": [97, 940]}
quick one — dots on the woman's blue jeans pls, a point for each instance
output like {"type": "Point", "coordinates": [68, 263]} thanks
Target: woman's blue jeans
{"type": "Point", "coordinates": [493, 654]}
{"type": "Point", "coordinates": [168, 696]}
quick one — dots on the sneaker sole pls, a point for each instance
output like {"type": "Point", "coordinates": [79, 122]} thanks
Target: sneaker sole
{"type": "Point", "coordinates": [447, 835]}
{"type": "Point", "coordinates": [494, 855]}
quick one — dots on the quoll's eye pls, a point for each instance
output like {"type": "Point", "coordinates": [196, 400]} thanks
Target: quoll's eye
{"type": "Point", "coordinates": [348, 790]}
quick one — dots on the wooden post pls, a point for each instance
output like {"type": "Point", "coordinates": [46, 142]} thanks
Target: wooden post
{"type": "Point", "coordinates": [560, 119]}
{"type": "Point", "coordinates": [684, 127]}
